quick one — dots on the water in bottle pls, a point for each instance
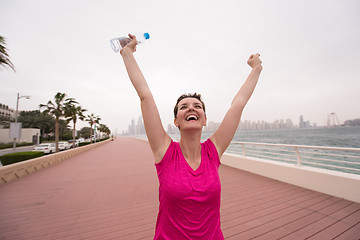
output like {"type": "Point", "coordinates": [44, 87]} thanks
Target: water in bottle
{"type": "Point", "coordinates": [118, 43]}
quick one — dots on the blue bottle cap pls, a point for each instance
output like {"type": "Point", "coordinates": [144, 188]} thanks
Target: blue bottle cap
{"type": "Point", "coordinates": [146, 35]}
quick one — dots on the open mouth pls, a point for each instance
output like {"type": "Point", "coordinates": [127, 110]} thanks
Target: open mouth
{"type": "Point", "coordinates": [191, 118]}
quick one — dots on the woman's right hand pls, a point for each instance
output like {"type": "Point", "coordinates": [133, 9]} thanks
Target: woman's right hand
{"type": "Point", "coordinates": [131, 46]}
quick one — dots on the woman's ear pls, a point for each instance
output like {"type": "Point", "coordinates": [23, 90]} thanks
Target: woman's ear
{"type": "Point", "coordinates": [176, 123]}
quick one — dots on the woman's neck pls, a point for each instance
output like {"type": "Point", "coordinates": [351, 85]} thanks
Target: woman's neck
{"type": "Point", "coordinates": [190, 146]}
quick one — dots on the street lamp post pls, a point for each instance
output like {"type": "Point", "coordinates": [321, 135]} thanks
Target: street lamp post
{"type": "Point", "coordinates": [16, 113]}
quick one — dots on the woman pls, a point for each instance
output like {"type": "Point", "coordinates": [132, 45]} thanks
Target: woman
{"type": "Point", "coordinates": [189, 191]}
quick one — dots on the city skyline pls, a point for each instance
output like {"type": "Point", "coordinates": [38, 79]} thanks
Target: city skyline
{"type": "Point", "coordinates": [139, 129]}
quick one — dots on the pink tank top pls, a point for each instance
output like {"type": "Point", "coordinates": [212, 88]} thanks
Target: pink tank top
{"type": "Point", "coordinates": [189, 199]}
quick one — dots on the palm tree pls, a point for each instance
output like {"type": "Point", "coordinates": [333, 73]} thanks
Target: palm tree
{"type": "Point", "coordinates": [57, 110]}
{"type": "Point", "coordinates": [101, 129]}
{"type": "Point", "coordinates": [91, 119]}
{"type": "Point", "coordinates": [72, 113]}
{"type": "Point", "coordinates": [104, 129]}
{"type": "Point", "coordinates": [4, 56]}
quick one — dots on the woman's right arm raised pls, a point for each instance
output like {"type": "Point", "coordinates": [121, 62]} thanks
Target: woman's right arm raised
{"type": "Point", "coordinates": [158, 138]}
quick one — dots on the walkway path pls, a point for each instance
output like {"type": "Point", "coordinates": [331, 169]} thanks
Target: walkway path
{"type": "Point", "coordinates": [110, 192]}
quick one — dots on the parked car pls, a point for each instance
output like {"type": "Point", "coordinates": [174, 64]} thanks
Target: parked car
{"type": "Point", "coordinates": [47, 148]}
{"type": "Point", "coordinates": [71, 143]}
{"type": "Point", "coordinates": [64, 146]}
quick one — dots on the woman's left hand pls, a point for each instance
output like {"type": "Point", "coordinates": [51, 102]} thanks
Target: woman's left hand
{"type": "Point", "coordinates": [254, 60]}
{"type": "Point", "coordinates": [131, 45]}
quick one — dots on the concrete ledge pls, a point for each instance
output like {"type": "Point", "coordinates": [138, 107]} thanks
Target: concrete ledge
{"type": "Point", "coordinates": [21, 169]}
{"type": "Point", "coordinates": [338, 184]}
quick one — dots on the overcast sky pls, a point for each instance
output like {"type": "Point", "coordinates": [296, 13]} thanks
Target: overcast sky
{"type": "Point", "coordinates": [310, 53]}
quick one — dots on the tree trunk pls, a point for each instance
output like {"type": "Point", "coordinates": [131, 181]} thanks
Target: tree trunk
{"type": "Point", "coordinates": [74, 135]}
{"type": "Point", "coordinates": [91, 133]}
{"type": "Point", "coordinates": [57, 134]}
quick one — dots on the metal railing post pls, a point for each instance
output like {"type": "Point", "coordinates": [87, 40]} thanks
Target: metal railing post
{"type": "Point", "coordinates": [298, 157]}
{"type": "Point", "coordinates": [243, 149]}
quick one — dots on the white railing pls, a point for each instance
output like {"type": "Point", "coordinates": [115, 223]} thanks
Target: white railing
{"type": "Point", "coordinates": [332, 158]}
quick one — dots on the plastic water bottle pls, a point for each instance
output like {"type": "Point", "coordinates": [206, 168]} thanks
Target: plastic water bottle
{"type": "Point", "coordinates": [118, 43]}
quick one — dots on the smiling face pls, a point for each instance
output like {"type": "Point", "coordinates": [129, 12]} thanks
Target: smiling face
{"type": "Point", "coordinates": [188, 95]}
{"type": "Point", "coordinates": [190, 114]}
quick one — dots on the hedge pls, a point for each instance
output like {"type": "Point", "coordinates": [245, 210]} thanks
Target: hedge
{"type": "Point", "coordinates": [83, 144]}
{"type": "Point", "coordinates": [18, 157]}
{"type": "Point", "coordinates": [103, 139]}
{"type": "Point", "coordinates": [10, 145]}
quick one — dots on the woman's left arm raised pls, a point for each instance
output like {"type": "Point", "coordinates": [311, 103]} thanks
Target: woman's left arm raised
{"type": "Point", "coordinates": [226, 131]}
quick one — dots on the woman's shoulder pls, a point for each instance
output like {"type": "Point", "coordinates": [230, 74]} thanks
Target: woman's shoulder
{"type": "Point", "coordinates": [209, 144]}
{"type": "Point", "coordinates": [211, 151]}
{"type": "Point", "coordinates": [169, 152]}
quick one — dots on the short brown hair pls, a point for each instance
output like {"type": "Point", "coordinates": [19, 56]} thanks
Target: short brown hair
{"type": "Point", "coordinates": [188, 95]}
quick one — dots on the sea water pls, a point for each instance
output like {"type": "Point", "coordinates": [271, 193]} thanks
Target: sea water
{"type": "Point", "coordinates": [348, 137]}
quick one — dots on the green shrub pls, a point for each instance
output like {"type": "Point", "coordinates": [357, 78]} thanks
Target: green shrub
{"type": "Point", "coordinates": [83, 144]}
{"type": "Point", "coordinates": [10, 145]}
{"type": "Point", "coordinates": [6, 145]}
{"type": "Point", "coordinates": [103, 139]}
{"type": "Point", "coordinates": [18, 157]}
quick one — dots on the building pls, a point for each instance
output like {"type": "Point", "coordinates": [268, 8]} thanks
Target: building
{"type": "Point", "coordinates": [140, 128]}
{"type": "Point", "coordinates": [6, 113]}
{"type": "Point", "coordinates": [353, 122]}
{"type": "Point", "coordinates": [289, 123]}
{"type": "Point", "coordinates": [29, 135]}
{"type": "Point", "coordinates": [301, 123]}
{"type": "Point", "coordinates": [135, 128]}
{"type": "Point", "coordinates": [131, 129]}
{"type": "Point", "coordinates": [211, 126]}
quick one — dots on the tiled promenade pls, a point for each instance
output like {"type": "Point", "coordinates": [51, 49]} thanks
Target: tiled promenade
{"type": "Point", "coordinates": [111, 192]}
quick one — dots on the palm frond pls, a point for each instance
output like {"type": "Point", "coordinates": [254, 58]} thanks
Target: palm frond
{"type": "Point", "coordinates": [4, 56]}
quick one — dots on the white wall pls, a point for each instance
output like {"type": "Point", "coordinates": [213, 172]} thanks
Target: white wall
{"type": "Point", "coordinates": [338, 184]}
{"type": "Point", "coordinates": [26, 135]}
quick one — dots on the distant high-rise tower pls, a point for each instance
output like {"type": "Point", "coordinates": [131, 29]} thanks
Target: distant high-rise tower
{"type": "Point", "coordinates": [301, 123]}
{"type": "Point", "coordinates": [132, 127]}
